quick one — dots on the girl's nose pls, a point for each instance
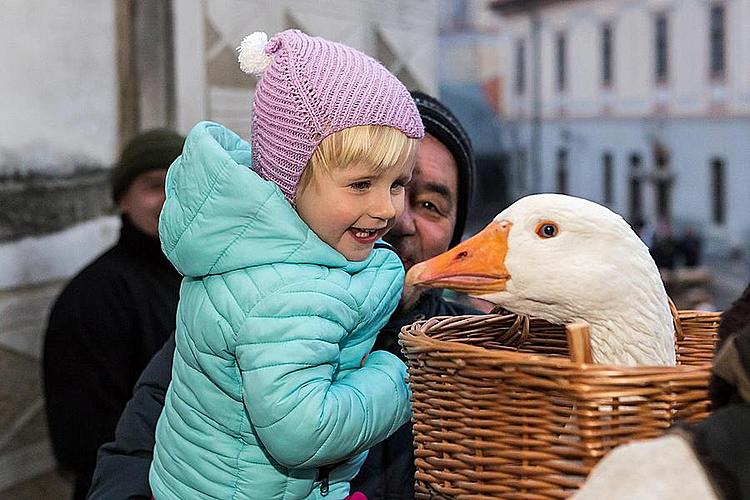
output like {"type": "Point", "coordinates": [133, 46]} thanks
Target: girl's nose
{"type": "Point", "coordinates": [383, 207]}
{"type": "Point", "coordinates": [405, 225]}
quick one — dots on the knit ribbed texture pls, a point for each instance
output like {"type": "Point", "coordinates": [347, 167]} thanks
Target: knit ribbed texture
{"type": "Point", "coordinates": [312, 89]}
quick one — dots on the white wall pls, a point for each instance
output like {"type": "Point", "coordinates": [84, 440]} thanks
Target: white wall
{"type": "Point", "coordinates": [409, 29]}
{"type": "Point", "coordinates": [693, 144]}
{"type": "Point", "coordinates": [689, 90]}
{"type": "Point", "coordinates": [58, 85]}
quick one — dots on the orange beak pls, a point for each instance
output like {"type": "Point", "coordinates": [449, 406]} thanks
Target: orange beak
{"type": "Point", "coordinates": [476, 266]}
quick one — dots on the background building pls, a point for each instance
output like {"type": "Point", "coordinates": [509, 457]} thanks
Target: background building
{"type": "Point", "coordinates": [79, 78]}
{"type": "Point", "coordinates": [472, 85]}
{"type": "Point", "coordinates": [642, 105]}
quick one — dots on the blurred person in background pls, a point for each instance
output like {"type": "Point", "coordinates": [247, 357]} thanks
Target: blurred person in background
{"type": "Point", "coordinates": [113, 316]}
{"type": "Point", "coordinates": [689, 247]}
{"type": "Point", "coordinates": [699, 298]}
{"type": "Point", "coordinates": [434, 217]}
{"type": "Point", "coordinates": [664, 246]}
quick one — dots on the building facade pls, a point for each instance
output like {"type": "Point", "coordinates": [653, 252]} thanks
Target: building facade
{"type": "Point", "coordinates": [642, 105]}
{"type": "Point", "coordinates": [471, 85]}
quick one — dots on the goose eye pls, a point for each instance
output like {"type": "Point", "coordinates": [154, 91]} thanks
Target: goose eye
{"type": "Point", "coordinates": [547, 230]}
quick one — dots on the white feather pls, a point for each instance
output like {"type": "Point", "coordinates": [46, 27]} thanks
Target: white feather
{"type": "Point", "coordinates": [596, 269]}
{"type": "Point", "coordinates": [252, 56]}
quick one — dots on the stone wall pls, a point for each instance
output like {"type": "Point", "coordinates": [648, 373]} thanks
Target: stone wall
{"type": "Point", "coordinates": [24, 446]}
{"type": "Point", "coordinates": [50, 226]}
{"type": "Point", "coordinates": [37, 204]}
{"type": "Point", "coordinates": [43, 218]}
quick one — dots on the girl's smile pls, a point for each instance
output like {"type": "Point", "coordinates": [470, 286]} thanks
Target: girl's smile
{"type": "Point", "coordinates": [367, 236]}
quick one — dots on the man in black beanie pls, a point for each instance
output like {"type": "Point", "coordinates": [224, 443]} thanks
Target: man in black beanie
{"type": "Point", "coordinates": [113, 316]}
{"type": "Point", "coordinates": [434, 217]}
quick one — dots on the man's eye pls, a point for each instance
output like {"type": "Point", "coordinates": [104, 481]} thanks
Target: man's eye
{"type": "Point", "coordinates": [429, 206]}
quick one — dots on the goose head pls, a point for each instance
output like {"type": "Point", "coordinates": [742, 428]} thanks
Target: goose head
{"type": "Point", "coordinates": [564, 259]}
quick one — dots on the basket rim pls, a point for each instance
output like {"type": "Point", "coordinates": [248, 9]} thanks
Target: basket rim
{"type": "Point", "coordinates": [417, 335]}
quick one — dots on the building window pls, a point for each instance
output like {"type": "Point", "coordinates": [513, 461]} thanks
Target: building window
{"type": "Point", "coordinates": [719, 191]}
{"type": "Point", "coordinates": [522, 159]}
{"type": "Point", "coordinates": [562, 170]}
{"type": "Point", "coordinates": [717, 35]}
{"type": "Point", "coordinates": [561, 60]}
{"type": "Point", "coordinates": [661, 40]}
{"type": "Point", "coordinates": [608, 178]}
{"type": "Point", "coordinates": [663, 182]}
{"type": "Point", "coordinates": [520, 67]}
{"type": "Point", "coordinates": [636, 202]}
{"type": "Point", "coordinates": [607, 54]}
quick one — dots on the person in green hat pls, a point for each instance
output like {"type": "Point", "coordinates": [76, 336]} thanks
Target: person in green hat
{"type": "Point", "coordinates": [113, 316]}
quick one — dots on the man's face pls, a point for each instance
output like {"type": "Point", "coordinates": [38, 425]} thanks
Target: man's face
{"type": "Point", "coordinates": [425, 228]}
{"type": "Point", "coordinates": [143, 200]}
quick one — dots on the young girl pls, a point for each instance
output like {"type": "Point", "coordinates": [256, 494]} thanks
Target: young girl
{"type": "Point", "coordinates": [274, 394]}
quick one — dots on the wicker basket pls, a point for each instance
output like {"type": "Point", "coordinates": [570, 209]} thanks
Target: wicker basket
{"type": "Point", "coordinates": [501, 411]}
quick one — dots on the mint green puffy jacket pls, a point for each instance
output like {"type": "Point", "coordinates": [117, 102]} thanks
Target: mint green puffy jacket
{"type": "Point", "coordinates": [272, 326]}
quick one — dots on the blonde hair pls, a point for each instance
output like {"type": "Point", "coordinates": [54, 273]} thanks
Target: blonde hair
{"type": "Point", "coordinates": [381, 146]}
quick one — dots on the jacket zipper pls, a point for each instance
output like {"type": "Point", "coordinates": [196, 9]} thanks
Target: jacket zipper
{"type": "Point", "coordinates": [323, 476]}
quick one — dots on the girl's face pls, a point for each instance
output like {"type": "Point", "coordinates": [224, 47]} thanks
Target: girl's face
{"type": "Point", "coordinates": [351, 208]}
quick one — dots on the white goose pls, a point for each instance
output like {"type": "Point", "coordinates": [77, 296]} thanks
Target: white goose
{"type": "Point", "coordinates": [566, 259]}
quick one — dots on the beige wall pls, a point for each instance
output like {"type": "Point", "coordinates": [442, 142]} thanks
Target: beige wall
{"type": "Point", "coordinates": [399, 33]}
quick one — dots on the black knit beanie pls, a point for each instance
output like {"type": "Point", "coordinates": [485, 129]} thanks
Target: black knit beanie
{"type": "Point", "coordinates": [156, 148]}
{"type": "Point", "coordinates": [443, 125]}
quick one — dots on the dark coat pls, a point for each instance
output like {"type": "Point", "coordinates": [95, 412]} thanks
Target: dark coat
{"type": "Point", "coordinates": [103, 329]}
{"type": "Point", "coordinates": [123, 465]}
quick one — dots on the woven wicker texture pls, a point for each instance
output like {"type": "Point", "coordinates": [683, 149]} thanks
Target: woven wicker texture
{"type": "Point", "coordinates": [500, 411]}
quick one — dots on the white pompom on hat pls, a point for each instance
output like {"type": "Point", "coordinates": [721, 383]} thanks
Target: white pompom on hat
{"type": "Point", "coordinates": [253, 57]}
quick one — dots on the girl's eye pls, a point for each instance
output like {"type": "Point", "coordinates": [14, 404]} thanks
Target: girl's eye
{"type": "Point", "coordinates": [547, 230]}
{"type": "Point", "coordinates": [360, 186]}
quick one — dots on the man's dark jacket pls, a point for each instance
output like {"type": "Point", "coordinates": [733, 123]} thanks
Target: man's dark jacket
{"type": "Point", "coordinates": [103, 329]}
{"type": "Point", "coordinates": [123, 465]}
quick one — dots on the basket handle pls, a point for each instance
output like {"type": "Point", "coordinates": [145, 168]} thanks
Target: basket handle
{"type": "Point", "coordinates": [678, 333]}
{"type": "Point", "coordinates": [579, 342]}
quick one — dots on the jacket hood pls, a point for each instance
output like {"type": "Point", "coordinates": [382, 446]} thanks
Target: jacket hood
{"type": "Point", "coordinates": [220, 216]}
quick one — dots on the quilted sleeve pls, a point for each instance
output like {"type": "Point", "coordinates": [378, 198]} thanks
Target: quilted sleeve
{"type": "Point", "coordinates": [288, 353]}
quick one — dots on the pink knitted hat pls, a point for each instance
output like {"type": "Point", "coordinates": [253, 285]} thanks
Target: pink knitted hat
{"type": "Point", "coordinates": [310, 88]}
